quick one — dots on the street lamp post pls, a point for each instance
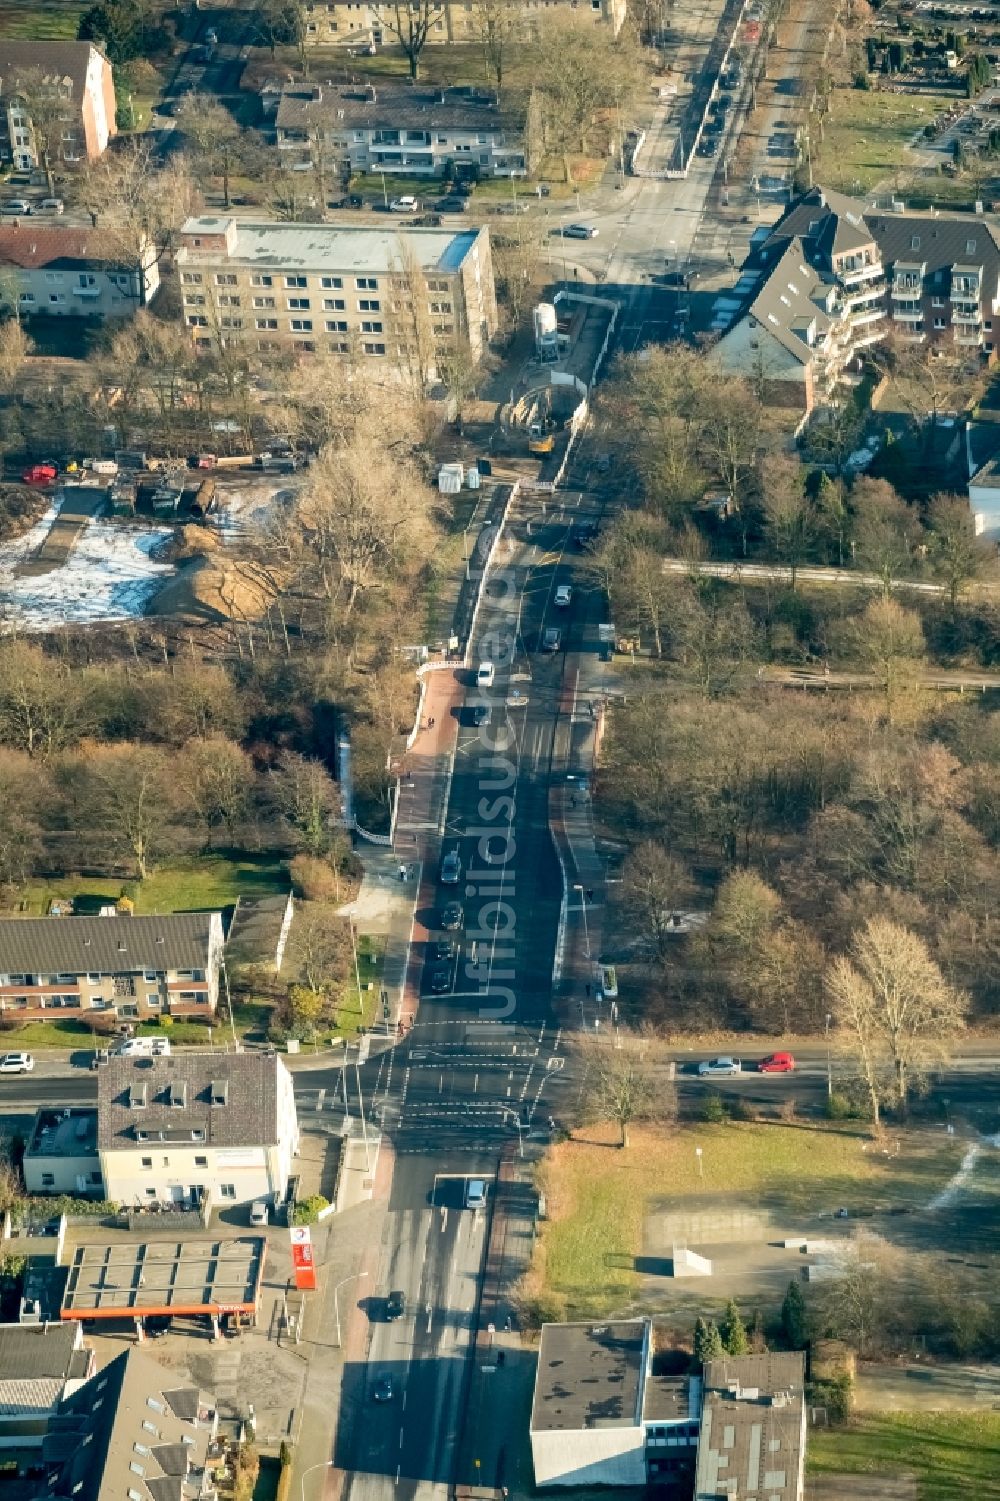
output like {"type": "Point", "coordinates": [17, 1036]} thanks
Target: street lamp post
{"type": "Point", "coordinates": [323, 1465]}
{"type": "Point", "coordinates": [358, 1276]}
{"type": "Point", "coordinates": [586, 928]}
{"type": "Point", "coordinates": [829, 1064]}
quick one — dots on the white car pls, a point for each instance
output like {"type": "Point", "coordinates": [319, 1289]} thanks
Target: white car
{"type": "Point", "coordinates": [404, 205]}
{"type": "Point", "coordinates": [16, 1063]}
{"type": "Point", "coordinates": [485, 675]}
{"type": "Point", "coordinates": [720, 1066]}
{"type": "Point", "coordinates": [563, 595]}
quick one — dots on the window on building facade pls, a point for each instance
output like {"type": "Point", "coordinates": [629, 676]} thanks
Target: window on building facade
{"type": "Point", "coordinates": [366, 283]}
{"type": "Point", "coordinates": [331, 282]}
{"type": "Point", "coordinates": [369, 305]}
{"type": "Point", "coordinates": [299, 302]}
{"type": "Point", "coordinates": [258, 280]}
{"type": "Point", "coordinates": [300, 325]}
{"type": "Point", "coordinates": [373, 348]}
{"type": "Point", "coordinates": [370, 326]}
{"type": "Point", "coordinates": [334, 304]}
{"type": "Point", "coordinates": [225, 279]}
{"type": "Point", "coordinates": [296, 281]}
{"type": "Point", "coordinates": [227, 1190]}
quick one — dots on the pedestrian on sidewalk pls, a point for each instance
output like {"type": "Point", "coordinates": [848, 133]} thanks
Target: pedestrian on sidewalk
{"type": "Point", "coordinates": [430, 722]}
{"type": "Point", "coordinates": [402, 872]}
{"type": "Point", "coordinates": [587, 989]}
{"type": "Point", "coordinates": [590, 893]}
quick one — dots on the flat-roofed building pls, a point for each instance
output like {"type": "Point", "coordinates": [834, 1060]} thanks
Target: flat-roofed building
{"type": "Point", "coordinates": [753, 1428]}
{"type": "Point", "coordinates": [377, 293]}
{"type": "Point", "coordinates": [40, 1364]}
{"type": "Point", "coordinates": [586, 1416]}
{"type": "Point", "coordinates": [61, 1156]}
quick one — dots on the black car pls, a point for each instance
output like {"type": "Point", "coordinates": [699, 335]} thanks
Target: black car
{"type": "Point", "coordinates": [708, 146]}
{"type": "Point", "coordinates": [395, 1305]}
{"type": "Point", "coordinates": [453, 204]}
{"type": "Point", "coordinates": [440, 981]}
{"type": "Point", "coordinates": [452, 917]}
{"type": "Point", "coordinates": [482, 714]}
{"type": "Point", "coordinates": [676, 279]}
{"type": "Point", "coordinates": [722, 104]}
{"type": "Point", "coordinates": [584, 533]}
{"type": "Point", "coordinates": [443, 950]}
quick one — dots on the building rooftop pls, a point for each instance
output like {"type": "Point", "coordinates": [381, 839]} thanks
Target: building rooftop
{"type": "Point", "coordinates": [104, 945]}
{"type": "Point", "coordinates": [51, 60]}
{"type": "Point", "coordinates": [343, 247]}
{"type": "Point", "coordinates": [39, 1353]}
{"type": "Point", "coordinates": [394, 104]}
{"type": "Point", "coordinates": [590, 1376]}
{"type": "Point", "coordinates": [671, 1398]}
{"type": "Point", "coordinates": [29, 246]}
{"type": "Point", "coordinates": [196, 1277]}
{"type": "Point", "coordinates": [70, 1132]}
{"type": "Point", "coordinates": [128, 1433]}
{"type": "Point", "coordinates": [215, 1099]}
{"type": "Point", "coordinates": [752, 1440]}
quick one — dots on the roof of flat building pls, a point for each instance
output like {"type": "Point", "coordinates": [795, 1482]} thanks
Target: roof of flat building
{"type": "Point", "coordinates": [197, 1099]}
{"type": "Point", "coordinates": [340, 247]}
{"type": "Point", "coordinates": [104, 945]}
{"type": "Point", "coordinates": [69, 1132]}
{"type": "Point", "coordinates": [396, 104]}
{"type": "Point", "coordinates": [590, 1376]}
{"type": "Point", "coordinates": [752, 1441]}
{"type": "Point", "coordinates": [38, 1352]}
{"type": "Point", "coordinates": [187, 1277]}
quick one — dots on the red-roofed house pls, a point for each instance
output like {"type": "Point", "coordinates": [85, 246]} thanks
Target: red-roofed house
{"type": "Point", "coordinates": [66, 271]}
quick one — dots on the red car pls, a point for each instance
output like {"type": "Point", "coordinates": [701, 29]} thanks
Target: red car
{"type": "Point", "coordinates": [40, 474]}
{"type": "Point", "coordinates": [777, 1063]}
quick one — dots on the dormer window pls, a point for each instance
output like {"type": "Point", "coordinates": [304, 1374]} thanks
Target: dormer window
{"type": "Point", "coordinates": [220, 1091]}
{"type": "Point", "coordinates": [970, 247]}
{"type": "Point", "coordinates": [914, 242]}
{"type": "Point", "coordinates": [177, 1094]}
{"type": "Point", "coordinates": [137, 1096]}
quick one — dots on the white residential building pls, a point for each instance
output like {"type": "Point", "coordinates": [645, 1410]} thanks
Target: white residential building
{"type": "Point", "coordinates": [66, 271]}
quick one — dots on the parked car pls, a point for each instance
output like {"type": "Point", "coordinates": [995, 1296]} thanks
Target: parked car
{"type": "Point", "coordinates": [17, 206]}
{"type": "Point", "coordinates": [563, 596]}
{"type": "Point", "coordinates": [482, 714]}
{"type": "Point", "coordinates": [443, 949]}
{"type": "Point", "coordinates": [51, 206]}
{"type": "Point", "coordinates": [451, 868]}
{"type": "Point", "coordinates": [777, 1063]}
{"type": "Point", "coordinates": [405, 205]}
{"type": "Point", "coordinates": [440, 981]}
{"type": "Point", "coordinates": [708, 146]}
{"type": "Point", "coordinates": [485, 675]}
{"type": "Point", "coordinates": [452, 917]}
{"type": "Point", "coordinates": [395, 1305]}
{"type": "Point", "coordinates": [720, 1066]}
{"type": "Point", "coordinates": [551, 638]}
{"type": "Point", "coordinates": [453, 204]}
{"type": "Point", "coordinates": [578, 231]}
{"type": "Point", "coordinates": [584, 533]}
{"type": "Point", "coordinates": [258, 1212]}
{"type": "Point", "coordinates": [475, 1193]}
{"type": "Point", "coordinates": [40, 474]}
{"type": "Point", "coordinates": [17, 1063]}
{"type": "Point", "coordinates": [382, 1391]}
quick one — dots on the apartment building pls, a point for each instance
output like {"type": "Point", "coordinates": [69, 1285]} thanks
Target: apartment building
{"type": "Point", "coordinates": [173, 1129]}
{"type": "Point", "coordinates": [753, 1428]}
{"type": "Point", "coordinates": [40, 1365]}
{"type": "Point", "coordinates": [342, 289]}
{"type": "Point", "coordinates": [78, 73]}
{"type": "Point", "coordinates": [355, 23]}
{"type": "Point", "coordinates": [64, 271]}
{"type": "Point", "coordinates": [835, 276]}
{"type": "Point", "coordinates": [403, 128]}
{"type": "Point", "coordinates": [112, 967]}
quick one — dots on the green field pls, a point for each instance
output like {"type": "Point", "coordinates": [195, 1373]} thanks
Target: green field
{"type": "Point", "coordinates": [953, 1455]}
{"type": "Point", "coordinates": [865, 136]}
{"type": "Point", "coordinates": [40, 23]}
{"type": "Point", "coordinates": [597, 1195]}
{"type": "Point", "coordinates": [212, 881]}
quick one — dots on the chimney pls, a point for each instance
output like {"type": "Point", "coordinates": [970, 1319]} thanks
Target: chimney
{"type": "Point", "coordinates": [316, 93]}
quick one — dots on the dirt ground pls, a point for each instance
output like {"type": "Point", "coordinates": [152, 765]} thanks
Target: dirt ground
{"type": "Point", "coordinates": [861, 1488]}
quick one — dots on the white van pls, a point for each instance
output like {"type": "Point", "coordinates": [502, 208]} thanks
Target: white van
{"type": "Point", "coordinates": [485, 675]}
{"type": "Point", "coordinates": [258, 1212]}
{"type": "Point", "coordinates": [475, 1193]}
{"type": "Point", "coordinates": [144, 1047]}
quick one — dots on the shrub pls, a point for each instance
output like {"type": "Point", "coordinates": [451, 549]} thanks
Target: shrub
{"type": "Point", "coordinates": [712, 1109]}
{"type": "Point", "coordinates": [307, 1211]}
{"type": "Point", "coordinates": [840, 1107]}
{"type": "Point", "coordinates": [166, 1022]}
{"type": "Point", "coordinates": [836, 1395]}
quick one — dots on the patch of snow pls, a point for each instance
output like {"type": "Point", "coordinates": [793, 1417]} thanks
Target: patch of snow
{"type": "Point", "coordinates": [958, 1180]}
{"type": "Point", "coordinates": [109, 575]}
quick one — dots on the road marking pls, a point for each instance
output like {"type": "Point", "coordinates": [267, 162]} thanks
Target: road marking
{"type": "Point", "coordinates": [397, 1474]}
{"type": "Point", "coordinates": [401, 1438]}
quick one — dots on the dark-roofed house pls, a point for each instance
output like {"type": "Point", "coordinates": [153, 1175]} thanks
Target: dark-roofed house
{"type": "Point", "coordinates": [40, 1364]}
{"type": "Point", "coordinates": [173, 1128]}
{"type": "Point", "coordinates": [113, 967]}
{"type": "Point", "coordinates": [396, 127]}
{"type": "Point", "coordinates": [79, 73]}
{"type": "Point", "coordinates": [68, 271]}
{"type": "Point", "coordinates": [753, 1428]}
{"type": "Point", "coordinates": [131, 1432]}
{"type": "Point", "coordinates": [924, 278]}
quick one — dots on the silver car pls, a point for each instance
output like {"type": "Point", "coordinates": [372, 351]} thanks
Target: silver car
{"type": "Point", "coordinates": [720, 1066]}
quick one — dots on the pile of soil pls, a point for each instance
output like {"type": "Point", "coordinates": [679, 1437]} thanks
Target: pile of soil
{"type": "Point", "coordinates": [215, 588]}
{"type": "Point", "coordinates": [20, 507]}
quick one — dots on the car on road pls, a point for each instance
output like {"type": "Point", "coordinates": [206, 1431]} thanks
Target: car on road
{"type": "Point", "coordinates": [405, 205]}
{"type": "Point", "coordinates": [584, 533]}
{"type": "Point", "coordinates": [16, 1063]}
{"type": "Point", "coordinates": [578, 231]}
{"type": "Point", "coordinates": [51, 206]}
{"type": "Point", "coordinates": [383, 1390]}
{"type": "Point", "coordinates": [777, 1063]}
{"type": "Point", "coordinates": [720, 1066]}
{"type": "Point", "coordinates": [563, 596]}
{"type": "Point", "coordinates": [551, 638]}
{"type": "Point", "coordinates": [485, 675]}
{"type": "Point", "coordinates": [395, 1305]}
{"type": "Point", "coordinates": [452, 204]}
{"type": "Point", "coordinates": [708, 146]}
{"type": "Point", "coordinates": [475, 1193]}
{"type": "Point", "coordinates": [722, 104]}
{"type": "Point", "coordinates": [17, 206]}
{"type": "Point", "coordinates": [676, 279]}
{"type": "Point", "coordinates": [451, 868]}
{"type": "Point", "coordinates": [443, 950]}
{"type": "Point", "coordinates": [452, 917]}
{"type": "Point", "coordinates": [440, 981]}
{"type": "Point", "coordinates": [482, 714]}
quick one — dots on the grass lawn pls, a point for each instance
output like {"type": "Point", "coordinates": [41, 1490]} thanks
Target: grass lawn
{"type": "Point", "coordinates": [865, 135]}
{"type": "Point", "coordinates": [212, 881]}
{"type": "Point", "coordinates": [597, 1194]}
{"type": "Point", "coordinates": [40, 23]}
{"type": "Point", "coordinates": [364, 1010]}
{"type": "Point", "coordinates": [71, 1033]}
{"type": "Point", "coordinates": [953, 1455]}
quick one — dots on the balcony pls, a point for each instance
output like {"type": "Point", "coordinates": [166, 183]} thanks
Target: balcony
{"type": "Point", "coordinates": [870, 272]}
{"type": "Point", "coordinates": [907, 288]}
{"type": "Point", "coordinates": [970, 317]}
{"type": "Point", "coordinates": [969, 337]}
{"type": "Point", "coordinates": [908, 314]}
{"type": "Point", "coordinates": [89, 294]}
{"type": "Point", "coordinates": [863, 316]}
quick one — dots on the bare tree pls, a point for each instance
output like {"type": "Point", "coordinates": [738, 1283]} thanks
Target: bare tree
{"type": "Point", "coordinates": [43, 705]}
{"type": "Point", "coordinates": [498, 22]}
{"type": "Point", "coordinates": [217, 779]}
{"type": "Point", "coordinates": [319, 949]}
{"type": "Point", "coordinates": [215, 135]}
{"type": "Point", "coordinates": [899, 1010]}
{"type": "Point", "coordinates": [307, 800]}
{"type": "Point", "coordinates": [787, 513]}
{"type": "Point", "coordinates": [578, 70]}
{"type": "Point", "coordinates": [129, 798]}
{"type": "Point", "coordinates": [958, 556]}
{"type": "Point", "coordinates": [655, 884]}
{"type": "Point", "coordinates": [411, 23]}
{"type": "Point", "coordinates": [623, 1084]}
{"type": "Point", "coordinates": [885, 531]}
{"type": "Point", "coordinates": [889, 641]}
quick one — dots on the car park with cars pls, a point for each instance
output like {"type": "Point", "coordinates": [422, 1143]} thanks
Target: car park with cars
{"type": "Point", "coordinates": [719, 1067]}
